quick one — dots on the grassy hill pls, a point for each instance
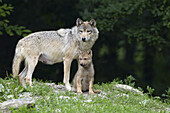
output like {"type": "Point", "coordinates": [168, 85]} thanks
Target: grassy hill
{"type": "Point", "coordinates": [52, 98]}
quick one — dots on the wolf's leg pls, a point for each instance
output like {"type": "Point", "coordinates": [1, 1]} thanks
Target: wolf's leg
{"type": "Point", "coordinates": [91, 86]}
{"type": "Point", "coordinates": [32, 62]}
{"type": "Point", "coordinates": [23, 74]}
{"type": "Point", "coordinates": [67, 65]}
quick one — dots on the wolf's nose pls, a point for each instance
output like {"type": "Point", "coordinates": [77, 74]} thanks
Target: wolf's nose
{"type": "Point", "coordinates": [83, 39]}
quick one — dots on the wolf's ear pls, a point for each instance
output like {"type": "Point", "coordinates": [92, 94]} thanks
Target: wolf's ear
{"type": "Point", "coordinates": [93, 22]}
{"type": "Point", "coordinates": [79, 22]}
{"type": "Point", "coordinates": [79, 52]}
{"type": "Point", "coordinates": [89, 52]}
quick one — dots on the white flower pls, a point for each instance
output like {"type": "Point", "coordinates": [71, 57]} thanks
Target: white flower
{"type": "Point", "coordinates": [64, 97]}
{"type": "Point", "coordinates": [144, 102]}
{"type": "Point", "coordinates": [88, 100]}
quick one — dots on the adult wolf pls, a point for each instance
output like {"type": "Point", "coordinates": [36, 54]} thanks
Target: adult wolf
{"type": "Point", "coordinates": [53, 47]}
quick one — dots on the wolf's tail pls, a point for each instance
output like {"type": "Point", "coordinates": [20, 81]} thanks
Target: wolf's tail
{"type": "Point", "coordinates": [16, 64]}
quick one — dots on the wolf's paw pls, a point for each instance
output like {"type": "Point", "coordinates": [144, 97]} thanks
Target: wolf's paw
{"type": "Point", "coordinates": [29, 81]}
{"type": "Point", "coordinates": [68, 87]}
{"type": "Point", "coordinates": [14, 76]}
{"type": "Point", "coordinates": [91, 92]}
{"type": "Point", "coordinates": [79, 92]}
{"type": "Point", "coordinates": [64, 81]}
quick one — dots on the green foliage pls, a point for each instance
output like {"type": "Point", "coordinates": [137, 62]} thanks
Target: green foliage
{"type": "Point", "coordinates": [139, 20]}
{"type": "Point", "coordinates": [5, 11]}
{"type": "Point", "coordinates": [23, 109]}
{"type": "Point", "coordinates": [9, 88]}
{"type": "Point", "coordinates": [40, 88]}
{"type": "Point", "coordinates": [110, 100]}
{"type": "Point", "coordinates": [114, 100]}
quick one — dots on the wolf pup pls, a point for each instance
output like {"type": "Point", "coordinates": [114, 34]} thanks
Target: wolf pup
{"type": "Point", "coordinates": [84, 78]}
{"type": "Point", "coordinates": [52, 47]}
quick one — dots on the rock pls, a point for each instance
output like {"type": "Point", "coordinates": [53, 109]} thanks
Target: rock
{"type": "Point", "coordinates": [25, 94]}
{"type": "Point", "coordinates": [129, 88]}
{"type": "Point", "coordinates": [16, 103]}
{"type": "Point", "coordinates": [56, 87]}
{"type": "Point", "coordinates": [168, 110]}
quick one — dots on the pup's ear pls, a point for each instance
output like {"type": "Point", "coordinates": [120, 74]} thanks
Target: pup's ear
{"type": "Point", "coordinates": [93, 22]}
{"type": "Point", "coordinates": [89, 52]}
{"type": "Point", "coordinates": [79, 22]}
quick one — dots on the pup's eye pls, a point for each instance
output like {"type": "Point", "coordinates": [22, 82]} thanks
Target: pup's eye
{"type": "Point", "coordinates": [85, 58]}
{"type": "Point", "coordinates": [80, 58]}
{"type": "Point", "coordinates": [89, 31]}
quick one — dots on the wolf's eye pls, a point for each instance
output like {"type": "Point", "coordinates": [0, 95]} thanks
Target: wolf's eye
{"type": "Point", "coordinates": [85, 58]}
{"type": "Point", "coordinates": [80, 58]}
{"type": "Point", "coordinates": [89, 31]}
{"type": "Point", "coordinates": [80, 31]}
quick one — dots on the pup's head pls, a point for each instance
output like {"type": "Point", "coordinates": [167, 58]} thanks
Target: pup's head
{"type": "Point", "coordinates": [85, 58]}
{"type": "Point", "coordinates": [86, 29]}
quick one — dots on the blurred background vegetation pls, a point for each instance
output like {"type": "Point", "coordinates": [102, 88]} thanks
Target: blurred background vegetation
{"type": "Point", "coordinates": [134, 36]}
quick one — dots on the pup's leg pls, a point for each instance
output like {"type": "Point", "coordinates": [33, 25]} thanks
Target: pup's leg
{"type": "Point", "coordinates": [91, 86]}
{"type": "Point", "coordinates": [79, 86]}
{"type": "Point", "coordinates": [67, 65]}
{"type": "Point", "coordinates": [32, 62]}
{"type": "Point", "coordinates": [22, 75]}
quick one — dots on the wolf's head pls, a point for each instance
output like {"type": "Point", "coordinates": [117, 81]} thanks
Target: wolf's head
{"type": "Point", "coordinates": [86, 30]}
{"type": "Point", "coordinates": [85, 58]}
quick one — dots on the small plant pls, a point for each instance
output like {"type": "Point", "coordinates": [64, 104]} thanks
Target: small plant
{"type": "Point", "coordinates": [150, 90]}
{"type": "Point", "coordinates": [166, 96]}
{"type": "Point", "coordinates": [130, 81]}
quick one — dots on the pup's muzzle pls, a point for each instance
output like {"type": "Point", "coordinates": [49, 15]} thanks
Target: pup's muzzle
{"type": "Point", "coordinates": [82, 64]}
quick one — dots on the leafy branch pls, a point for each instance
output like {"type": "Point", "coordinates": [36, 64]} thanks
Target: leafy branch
{"type": "Point", "coordinates": [5, 10]}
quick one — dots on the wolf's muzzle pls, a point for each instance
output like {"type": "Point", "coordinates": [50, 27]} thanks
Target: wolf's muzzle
{"type": "Point", "coordinates": [83, 39]}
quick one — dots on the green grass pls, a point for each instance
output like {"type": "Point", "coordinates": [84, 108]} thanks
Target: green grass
{"type": "Point", "coordinates": [111, 100]}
